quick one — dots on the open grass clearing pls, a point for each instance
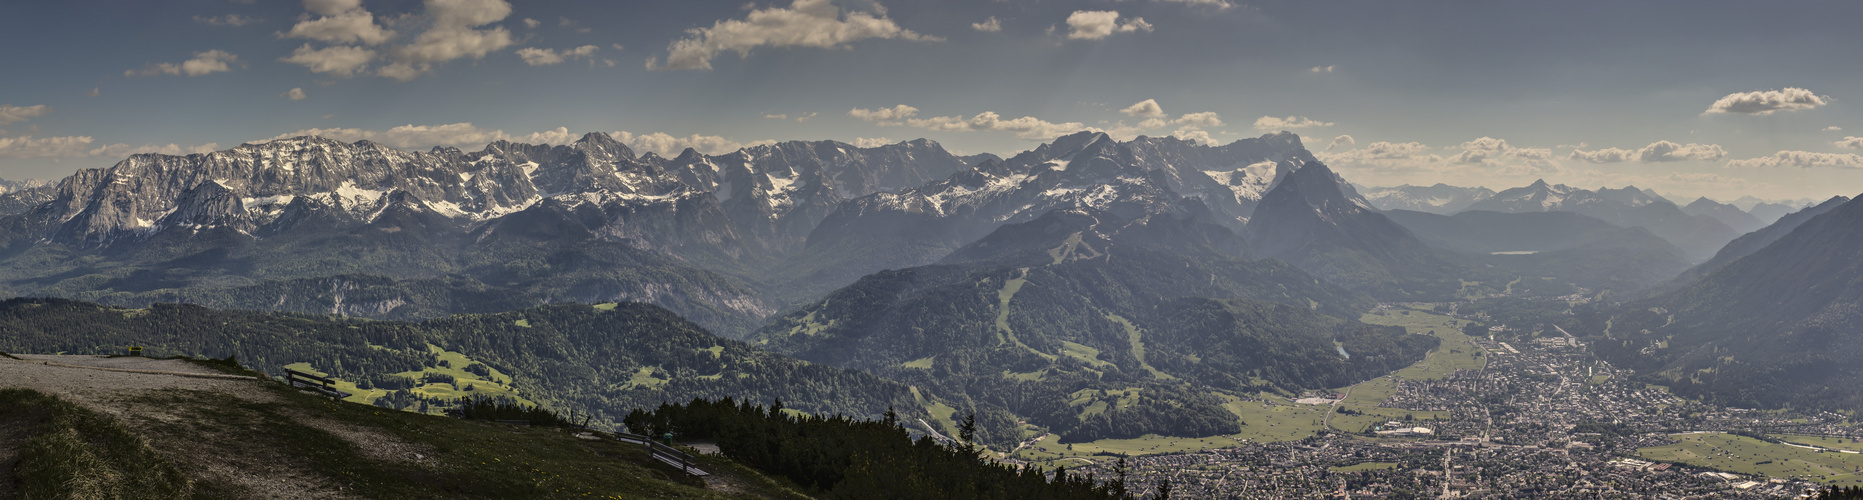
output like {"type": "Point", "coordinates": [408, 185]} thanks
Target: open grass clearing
{"type": "Point", "coordinates": [1744, 455]}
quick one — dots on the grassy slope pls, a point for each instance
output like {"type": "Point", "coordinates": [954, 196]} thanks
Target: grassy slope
{"type": "Point", "coordinates": [462, 459]}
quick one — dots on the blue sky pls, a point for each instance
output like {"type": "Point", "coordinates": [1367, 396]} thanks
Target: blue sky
{"type": "Point", "coordinates": [1691, 98]}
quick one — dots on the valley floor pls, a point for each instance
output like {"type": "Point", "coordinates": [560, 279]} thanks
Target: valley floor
{"type": "Point", "coordinates": [1524, 417]}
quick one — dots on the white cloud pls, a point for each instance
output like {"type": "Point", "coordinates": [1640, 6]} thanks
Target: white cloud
{"type": "Point", "coordinates": [49, 147]}
{"type": "Point", "coordinates": [1489, 150]}
{"type": "Point", "coordinates": [227, 20]}
{"type": "Point", "coordinates": [1273, 123]}
{"type": "Point", "coordinates": [456, 33]}
{"type": "Point", "coordinates": [1194, 134]}
{"type": "Point", "coordinates": [1027, 127]}
{"type": "Point", "coordinates": [342, 61]}
{"type": "Point", "coordinates": [885, 116]}
{"type": "Point", "coordinates": [1322, 69]}
{"type": "Point", "coordinates": [872, 142]}
{"type": "Point", "coordinates": [1098, 24]}
{"type": "Point", "coordinates": [351, 24]}
{"type": "Point", "coordinates": [1343, 140]}
{"type": "Point", "coordinates": [559, 135]}
{"type": "Point", "coordinates": [295, 94]}
{"type": "Point", "coordinates": [80, 146]}
{"type": "Point", "coordinates": [805, 23]}
{"type": "Point", "coordinates": [1802, 159]}
{"type": "Point", "coordinates": [541, 57]}
{"type": "Point", "coordinates": [1766, 102]}
{"type": "Point", "coordinates": [1606, 155]}
{"type": "Point", "coordinates": [776, 117]}
{"type": "Point", "coordinates": [1665, 151]}
{"type": "Point", "coordinates": [532, 23]}
{"type": "Point", "coordinates": [212, 61]}
{"type": "Point", "coordinates": [463, 134]}
{"type": "Point", "coordinates": [1148, 108]}
{"type": "Point", "coordinates": [804, 118]}
{"type": "Point", "coordinates": [1219, 4]}
{"type": "Point", "coordinates": [15, 114]}
{"type": "Point", "coordinates": [1850, 142]}
{"type": "Point", "coordinates": [990, 25]}
{"type": "Point", "coordinates": [1202, 119]}
{"type": "Point", "coordinates": [1833, 128]}
{"type": "Point", "coordinates": [668, 145]}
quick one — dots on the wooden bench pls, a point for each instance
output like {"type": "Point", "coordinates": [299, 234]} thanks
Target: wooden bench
{"type": "Point", "coordinates": [678, 459]}
{"type": "Point", "coordinates": [314, 383]}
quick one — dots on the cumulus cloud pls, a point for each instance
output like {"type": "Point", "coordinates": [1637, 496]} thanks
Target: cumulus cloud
{"type": "Point", "coordinates": [543, 57]}
{"type": "Point", "coordinates": [805, 23]}
{"type": "Point", "coordinates": [1847, 142]}
{"type": "Point", "coordinates": [776, 116]}
{"type": "Point", "coordinates": [15, 114]}
{"type": "Point", "coordinates": [884, 116]}
{"type": "Point", "coordinates": [1027, 127]}
{"type": "Point", "coordinates": [81, 146]}
{"type": "Point", "coordinates": [666, 144]}
{"type": "Point", "coordinates": [227, 20]}
{"type": "Point", "coordinates": [1665, 151]}
{"type": "Point", "coordinates": [340, 22]}
{"type": "Point", "coordinates": [212, 61]}
{"type": "Point", "coordinates": [1098, 24]}
{"type": "Point", "coordinates": [1148, 108]}
{"type": "Point", "coordinates": [295, 94]}
{"type": "Point", "coordinates": [1273, 123]}
{"type": "Point", "coordinates": [1606, 155]}
{"type": "Point", "coordinates": [341, 61]}
{"type": "Point", "coordinates": [456, 32]}
{"type": "Point", "coordinates": [1766, 102]}
{"type": "Point", "coordinates": [1322, 69]}
{"type": "Point", "coordinates": [463, 134]}
{"type": "Point", "coordinates": [1802, 159]}
{"type": "Point", "coordinates": [49, 147]}
{"type": "Point", "coordinates": [872, 142]}
{"type": "Point", "coordinates": [1487, 150]}
{"type": "Point", "coordinates": [1343, 140]}
{"type": "Point", "coordinates": [1833, 128]}
{"type": "Point", "coordinates": [990, 25]}
{"type": "Point", "coordinates": [1194, 134]}
{"type": "Point", "coordinates": [532, 23]}
{"type": "Point", "coordinates": [1201, 119]}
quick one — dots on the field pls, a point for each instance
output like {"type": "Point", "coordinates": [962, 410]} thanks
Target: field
{"type": "Point", "coordinates": [1832, 443]}
{"type": "Point", "coordinates": [1744, 455]}
{"type": "Point", "coordinates": [1457, 352]}
{"type": "Point", "coordinates": [1049, 452]}
{"type": "Point", "coordinates": [1361, 467]}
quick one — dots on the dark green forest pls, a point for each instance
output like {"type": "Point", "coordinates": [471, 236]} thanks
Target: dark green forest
{"type": "Point", "coordinates": [841, 457]}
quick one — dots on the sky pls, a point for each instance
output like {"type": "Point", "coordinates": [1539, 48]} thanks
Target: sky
{"type": "Point", "coordinates": [1691, 98]}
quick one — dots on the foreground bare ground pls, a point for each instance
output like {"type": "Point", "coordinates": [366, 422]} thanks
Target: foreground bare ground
{"type": "Point", "coordinates": [222, 463]}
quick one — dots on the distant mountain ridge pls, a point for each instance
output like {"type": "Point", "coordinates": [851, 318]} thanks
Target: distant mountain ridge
{"type": "Point", "coordinates": [1439, 198]}
{"type": "Point", "coordinates": [1699, 236]}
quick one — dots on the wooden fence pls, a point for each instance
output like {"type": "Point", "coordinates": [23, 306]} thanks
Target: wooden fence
{"type": "Point", "coordinates": [665, 454]}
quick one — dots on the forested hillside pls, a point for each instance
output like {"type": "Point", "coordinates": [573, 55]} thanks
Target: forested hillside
{"type": "Point", "coordinates": [601, 361]}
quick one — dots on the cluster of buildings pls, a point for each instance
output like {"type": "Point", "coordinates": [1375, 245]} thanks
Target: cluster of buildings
{"type": "Point", "coordinates": [1543, 418]}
